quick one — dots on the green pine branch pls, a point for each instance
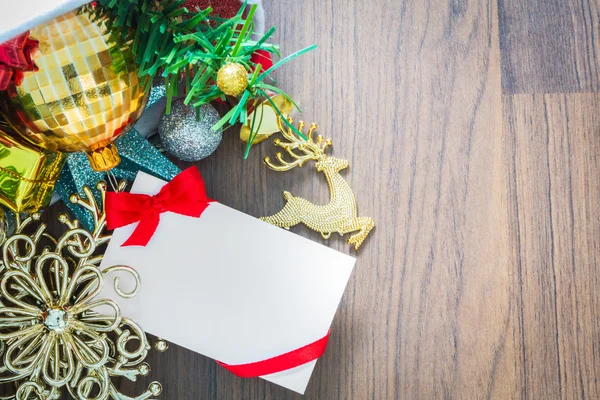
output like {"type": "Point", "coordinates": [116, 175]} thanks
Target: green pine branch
{"type": "Point", "coordinates": [169, 40]}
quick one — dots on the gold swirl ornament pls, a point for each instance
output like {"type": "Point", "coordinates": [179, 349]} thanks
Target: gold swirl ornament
{"type": "Point", "coordinates": [56, 335]}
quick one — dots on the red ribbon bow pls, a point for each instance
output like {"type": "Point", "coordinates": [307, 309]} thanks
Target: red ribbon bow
{"type": "Point", "coordinates": [292, 359]}
{"type": "Point", "coordinates": [184, 195]}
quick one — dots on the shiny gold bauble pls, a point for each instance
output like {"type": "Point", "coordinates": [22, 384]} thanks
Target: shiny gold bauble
{"type": "Point", "coordinates": [265, 115]}
{"type": "Point", "coordinates": [27, 173]}
{"type": "Point", "coordinates": [232, 79]}
{"type": "Point", "coordinates": [85, 93]}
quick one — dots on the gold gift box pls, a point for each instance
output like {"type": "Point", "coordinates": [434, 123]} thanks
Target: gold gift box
{"type": "Point", "coordinates": [27, 173]}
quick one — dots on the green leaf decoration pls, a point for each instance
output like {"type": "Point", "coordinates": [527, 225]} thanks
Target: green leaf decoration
{"type": "Point", "coordinates": [191, 46]}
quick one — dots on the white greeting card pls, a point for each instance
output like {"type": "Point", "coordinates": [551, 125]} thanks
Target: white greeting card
{"type": "Point", "coordinates": [18, 17]}
{"type": "Point", "coordinates": [230, 286]}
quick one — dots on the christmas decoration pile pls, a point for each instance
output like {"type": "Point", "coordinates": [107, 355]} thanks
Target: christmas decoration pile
{"type": "Point", "coordinates": [71, 91]}
{"type": "Point", "coordinates": [77, 83]}
{"type": "Point", "coordinates": [217, 57]}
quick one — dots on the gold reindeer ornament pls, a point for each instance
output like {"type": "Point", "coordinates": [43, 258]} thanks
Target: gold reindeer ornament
{"type": "Point", "coordinates": [341, 214]}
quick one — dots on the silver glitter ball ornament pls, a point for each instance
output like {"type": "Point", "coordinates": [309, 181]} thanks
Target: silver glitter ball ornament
{"type": "Point", "coordinates": [187, 138]}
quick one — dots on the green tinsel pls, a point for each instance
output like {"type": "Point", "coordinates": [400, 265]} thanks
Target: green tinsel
{"type": "Point", "coordinates": [170, 41]}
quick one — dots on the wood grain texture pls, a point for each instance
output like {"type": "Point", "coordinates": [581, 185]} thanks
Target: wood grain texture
{"type": "Point", "coordinates": [480, 278]}
{"type": "Point", "coordinates": [410, 94]}
{"type": "Point", "coordinates": [552, 146]}
{"type": "Point", "coordinates": [549, 46]}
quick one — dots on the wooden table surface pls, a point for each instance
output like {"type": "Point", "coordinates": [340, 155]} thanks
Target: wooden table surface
{"type": "Point", "coordinates": [472, 131]}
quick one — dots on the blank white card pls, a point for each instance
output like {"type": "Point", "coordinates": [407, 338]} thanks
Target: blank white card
{"type": "Point", "coordinates": [230, 286]}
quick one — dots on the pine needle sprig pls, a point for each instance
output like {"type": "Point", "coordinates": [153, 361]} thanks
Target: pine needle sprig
{"type": "Point", "coordinates": [186, 46]}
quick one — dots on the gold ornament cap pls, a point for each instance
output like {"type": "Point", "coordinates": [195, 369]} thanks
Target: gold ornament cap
{"type": "Point", "coordinates": [267, 117]}
{"type": "Point", "coordinates": [232, 79]}
{"type": "Point", "coordinates": [104, 158]}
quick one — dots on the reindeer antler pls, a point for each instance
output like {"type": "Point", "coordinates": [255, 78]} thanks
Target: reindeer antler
{"type": "Point", "coordinates": [312, 150]}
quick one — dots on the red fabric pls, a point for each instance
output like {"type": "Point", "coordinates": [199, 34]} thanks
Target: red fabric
{"type": "Point", "coordinates": [6, 74]}
{"type": "Point", "coordinates": [286, 361]}
{"type": "Point", "coordinates": [184, 195]}
{"type": "Point", "coordinates": [15, 58]}
{"type": "Point", "coordinates": [263, 58]}
{"type": "Point", "coordinates": [226, 9]}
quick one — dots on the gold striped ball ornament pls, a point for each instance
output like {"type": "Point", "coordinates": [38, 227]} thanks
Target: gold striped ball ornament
{"type": "Point", "coordinates": [85, 93]}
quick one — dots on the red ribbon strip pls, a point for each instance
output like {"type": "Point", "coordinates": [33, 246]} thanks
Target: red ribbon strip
{"type": "Point", "coordinates": [286, 361]}
{"type": "Point", "coordinates": [184, 195]}
{"type": "Point", "coordinates": [15, 59]}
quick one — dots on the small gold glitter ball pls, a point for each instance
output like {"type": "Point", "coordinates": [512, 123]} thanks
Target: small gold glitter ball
{"type": "Point", "coordinates": [232, 79]}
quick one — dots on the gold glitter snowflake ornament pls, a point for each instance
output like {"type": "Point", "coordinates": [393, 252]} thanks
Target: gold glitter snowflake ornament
{"type": "Point", "coordinates": [55, 334]}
